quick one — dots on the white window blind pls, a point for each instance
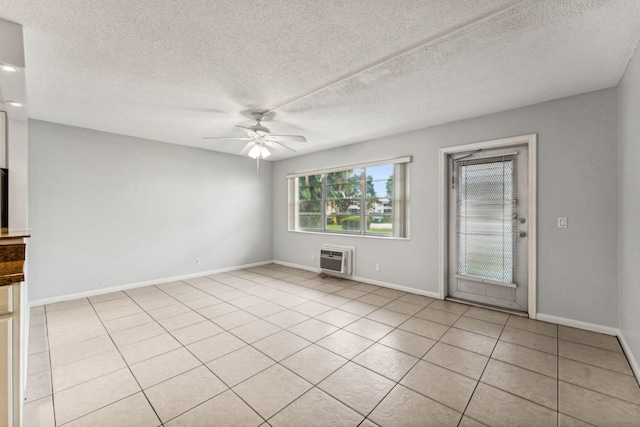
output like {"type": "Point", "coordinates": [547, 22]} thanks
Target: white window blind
{"type": "Point", "coordinates": [486, 218]}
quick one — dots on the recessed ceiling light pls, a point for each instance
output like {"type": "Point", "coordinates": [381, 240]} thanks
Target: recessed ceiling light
{"type": "Point", "coordinates": [8, 68]}
{"type": "Point", "coordinates": [14, 103]}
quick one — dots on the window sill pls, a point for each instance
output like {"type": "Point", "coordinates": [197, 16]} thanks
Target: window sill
{"type": "Point", "coordinates": [368, 236]}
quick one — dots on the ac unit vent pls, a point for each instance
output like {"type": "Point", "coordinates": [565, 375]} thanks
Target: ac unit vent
{"type": "Point", "coordinates": [334, 260]}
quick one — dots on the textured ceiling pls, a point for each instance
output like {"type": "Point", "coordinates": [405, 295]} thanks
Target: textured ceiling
{"type": "Point", "coordinates": [335, 71]}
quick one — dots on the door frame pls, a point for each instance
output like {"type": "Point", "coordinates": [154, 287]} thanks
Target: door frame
{"type": "Point", "coordinates": [531, 142]}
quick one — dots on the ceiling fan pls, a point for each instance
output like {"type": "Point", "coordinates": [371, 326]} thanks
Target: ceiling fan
{"type": "Point", "coordinates": [260, 139]}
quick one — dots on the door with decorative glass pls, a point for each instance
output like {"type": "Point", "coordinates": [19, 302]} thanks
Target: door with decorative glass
{"type": "Point", "coordinates": [488, 204]}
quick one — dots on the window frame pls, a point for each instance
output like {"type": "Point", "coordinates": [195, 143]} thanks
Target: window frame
{"type": "Point", "coordinates": [399, 200]}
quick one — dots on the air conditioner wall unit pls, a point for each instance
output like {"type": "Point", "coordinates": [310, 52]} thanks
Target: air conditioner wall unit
{"type": "Point", "coordinates": [336, 260]}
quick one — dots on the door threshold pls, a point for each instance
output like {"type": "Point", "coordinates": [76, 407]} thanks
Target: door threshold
{"type": "Point", "coordinates": [488, 306]}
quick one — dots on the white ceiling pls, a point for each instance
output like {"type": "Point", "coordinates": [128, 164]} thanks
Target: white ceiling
{"type": "Point", "coordinates": [335, 71]}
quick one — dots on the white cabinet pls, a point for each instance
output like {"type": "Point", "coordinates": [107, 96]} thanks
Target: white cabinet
{"type": "Point", "coordinates": [10, 355]}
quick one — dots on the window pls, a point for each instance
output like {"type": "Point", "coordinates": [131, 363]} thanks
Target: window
{"type": "Point", "coordinates": [366, 199]}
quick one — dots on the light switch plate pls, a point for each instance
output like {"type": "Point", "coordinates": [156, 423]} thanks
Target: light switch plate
{"type": "Point", "coordinates": [562, 222]}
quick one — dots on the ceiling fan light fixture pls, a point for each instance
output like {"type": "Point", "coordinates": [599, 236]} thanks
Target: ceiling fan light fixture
{"type": "Point", "coordinates": [264, 152]}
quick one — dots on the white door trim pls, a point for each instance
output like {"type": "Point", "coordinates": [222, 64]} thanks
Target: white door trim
{"type": "Point", "coordinates": [531, 142]}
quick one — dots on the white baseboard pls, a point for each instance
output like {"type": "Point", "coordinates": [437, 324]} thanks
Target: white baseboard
{"type": "Point", "coordinates": [366, 280]}
{"type": "Point", "coordinates": [579, 324]}
{"type": "Point", "coordinates": [630, 357]}
{"type": "Point", "coordinates": [141, 284]}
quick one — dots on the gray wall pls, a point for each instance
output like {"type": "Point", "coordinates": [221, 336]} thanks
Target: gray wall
{"type": "Point", "coordinates": [629, 112]}
{"type": "Point", "coordinates": [577, 178]}
{"type": "Point", "coordinates": [108, 210]}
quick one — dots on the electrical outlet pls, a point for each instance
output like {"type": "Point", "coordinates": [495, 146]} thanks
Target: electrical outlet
{"type": "Point", "coordinates": [377, 267]}
{"type": "Point", "coordinates": [563, 222]}
{"type": "Point", "coordinates": [197, 261]}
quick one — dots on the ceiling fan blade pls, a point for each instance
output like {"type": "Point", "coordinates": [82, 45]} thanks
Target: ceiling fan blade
{"type": "Point", "coordinates": [250, 132]}
{"type": "Point", "coordinates": [247, 148]}
{"type": "Point", "coordinates": [279, 146]}
{"type": "Point", "coordinates": [289, 138]}
{"type": "Point", "coordinates": [227, 137]}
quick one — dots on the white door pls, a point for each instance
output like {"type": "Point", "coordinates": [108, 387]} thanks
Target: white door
{"type": "Point", "coordinates": [488, 227]}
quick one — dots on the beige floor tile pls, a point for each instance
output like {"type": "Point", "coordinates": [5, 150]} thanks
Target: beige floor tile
{"type": "Point", "coordinates": [489, 329]}
{"type": "Point", "coordinates": [338, 318]}
{"type": "Point", "coordinates": [369, 329]}
{"type": "Point", "coordinates": [213, 347]}
{"type": "Point", "coordinates": [39, 362]}
{"type": "Point", "coordinates": [80, 332]}
{"type": "Point", "coordinates": [247, 301]}
{"type": "Point", "coordinates": [160, 368]}
{"type": "Point", "coordinates": [596, 408]}
{"type": "Point", "coordinates": [113, 303]}
{"type": "Point", "coordinates": [314, 363]}
{"type": "Point", "coordinates": [89, 396]}
{"type": "Point", "coordinates": [389, 293]}
{"type": "Point", "coordinates": [290, 301]}
{"type": "Point", "coordinates": [345, 343]}
{"type": "Point", "coordinates": [271, 390]}
{"type": "Point", "coordinates": [403, 307]}
{"type": "Point", "coordinates": [313, 329]}
{"type": "Point", "coordinates": [452, 307]}
{"type": "Point", "coordinates": [368, 423]}
{"type": "Point", "coordinates": [239, 365]}
{"type": "Point", "coordinates": [127, 322]}
{"type": "Point", "coordinates": [358, 308]}
{"type": "Point", "coordinates": [604, 381]}
{"type": "Point", "coordinates": [169, 311]}
{"type": "Point", "coordinates": [469, 422]}
{"type": "Point", "coordinates": [420, 300]}
{"type": "Point", "coordinates": [388, 317]}
{"type": "Point", "coordinates": [281, 344]}
{"type": "Point", "coordinates": [133, 411]}
{"type": "Point", "coordinates": [196, 332]}
{"type": "Point", "coordinates": [530, 339]}
{"type": "Point", "coordinates": [595, 356]}
{"type": "Point", "coordinates": [233, 320]}
{"type": "Point", "coordinates": [458, 360]}
{"type": "Point", "coordinates": [335, 300]}
{"type": "Point", "coordinates": [202, 302]}
{"type": "Point", "coordinates": [442, 385]}
{"type": "Point", "coordinates": [312, 308]}
{"type": "Point", "coordinates": [357, 387]}
{"type": "Point", "coordinates": [408, 342]}
{"type": "Point", "coordinates": [495, 407]}
{"type": "Point", "coordinates": [67, 305]}
{"type": "Point", "coordinates": [265, 309]}
{"type": "Point", "coordinates": [115, 313]}
{"type": "Point", "coordinates": [87, 369]}
{"type": "Point", "coordinates": [146, 349]}
{"type": "Point", "coordinates": [438, 316]}
{"type": "Point", "coordinates": [404, 407]}
{"type": "Point", "coordinates": [543, 363]}
{"type": "Point", "coordinates": [567, 421]}
{"type": "Point", "coordinates": [254, 331]}
{"type": "Point", "coordinates": [286, 319]}
{"type": "Point", "coordinates": [365, 287]}
{"type": "Point", "coordinates": [72, 353]}
{"type": "Point", "coordinates": [137, 334]}
{"type": "Point", "coordinates": [350, 293]}
{"type": "Point", "coordinates": [38, 386]}
{"type": "Point", "coordinates": [527, 384]}
{"type": "Point", "coordinates": [183, 392]}
{"type": "Point", "coordinates": [38, 344]}
{"type": "Point", "coordinates": [217, 310]}
{"type": "Point", "coordinates": [181, 320]}
{"type": "Point", "coordinates": [373, 299]}
{"type": "Point", "coordinates": [426, 328]}
{"type": "Point", "coordinates": [531, 325]}
{"type": "Point", "coordinates": [386, 361]}
{"type": "Point", "coordinates": [153, 302]}
{"type": "Point", "coordinates": [594, 339]}
{"type": "Point", "coordinates": [107, 297]}
{"type": "Point", "coordinates": [492, 316]}
{"type": "Point", "coordinates": [316, 408]}
{"type": "Point", "coordinates": [39, 413]}
{"type": "Point", "coordinates": [469, 341]}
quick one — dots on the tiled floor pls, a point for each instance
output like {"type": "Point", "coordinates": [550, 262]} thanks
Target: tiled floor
{"type": "Point", "coordinates": [278, 346]}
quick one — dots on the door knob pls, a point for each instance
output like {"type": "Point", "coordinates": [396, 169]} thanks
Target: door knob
{"type": "Point", "coordinates": [523, 234]}
{"type": "Point", "coordinates": [522, 220]}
